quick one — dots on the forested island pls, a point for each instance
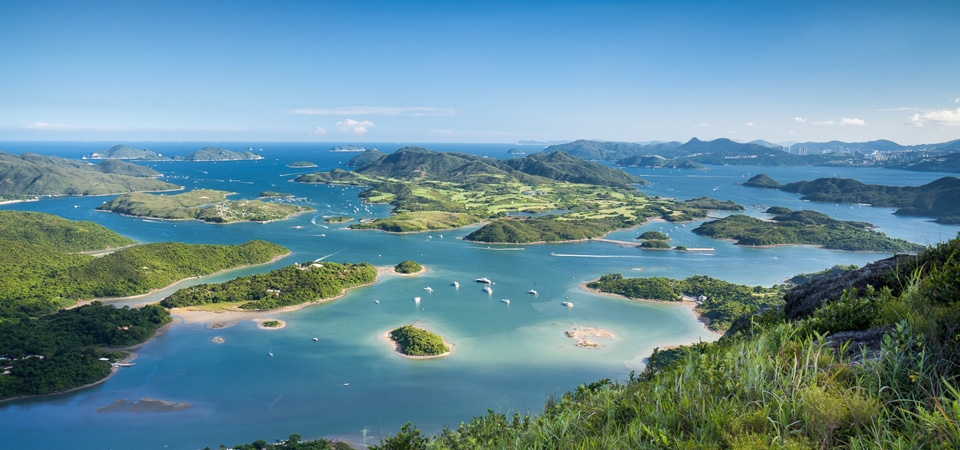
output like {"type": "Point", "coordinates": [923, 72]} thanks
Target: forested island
{"type": "Point", "coordinates": [408, 267]}
{"type": "Point", "coordinates": [301, 165]}
{"type": "Point", "coordinates": [434, 191]}
{"type": "Point", "coordinates": [939, 198]}
{"type": "Point", "coordinates": [803, 228]}
{"type": "Point", "coordinates": [413, 341]}
{"type": "Point", "coordinates": [206, 205]}
{"type": "Point", "coordinates": [718, 301]}
{"type": "Point", "coordinates": [870, 360]}
{"type": "Point", "coordinates": [30, 176]}
{"type": "Point", "coordinates": [121, 151]}
{"type": "Point", "coordinates": [287, 286]}
{"type": "Point", "coordinates": [47, 349]}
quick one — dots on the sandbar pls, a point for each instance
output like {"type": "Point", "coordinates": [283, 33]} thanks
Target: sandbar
{"type": "Point", "coordinates": [261, 323]}
{"type": "Point", "coordinates": [144, 405]}
{"type": "Point", "coordinates": [584, 336]}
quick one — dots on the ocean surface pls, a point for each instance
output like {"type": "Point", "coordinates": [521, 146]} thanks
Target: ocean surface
{"type": "Point", "coordinates": [350, 382]}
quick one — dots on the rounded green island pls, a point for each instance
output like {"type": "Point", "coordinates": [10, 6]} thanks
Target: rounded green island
{"type": "Point", "coordinates": [417, 342]}
{"type": "Point", "coordinates": [408, 267]}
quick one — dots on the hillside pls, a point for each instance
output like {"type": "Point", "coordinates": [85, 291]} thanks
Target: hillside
{"type": "Point", "coordinates": [658, 162]}
{"type": "Point", "coordinates": [560, 166]}
{"type": "Point", "coordinates": [875, 367]}
{"type": "Point", "coordinates": [118, 167]}
{"type": "Point", "coordinates": [939, 198]}
{"type": "Point", "coordinates": [941, 163]}
{"type": "Point", "coordinates": [597, 150]}
{"type": "Point", "coordinates": [35, 175]}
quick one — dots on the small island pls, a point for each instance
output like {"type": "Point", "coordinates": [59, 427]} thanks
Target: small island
{"type": "Point", "coordinates": [207, 205]}
{"type": "Point", "coordinates": [301, 165]}
{"type": "Point", "coordinates": [408, 267]}
{"type": "Point", "coordinates": [416, 342]}
{"type": "Point", "coordinates": [338, 219]}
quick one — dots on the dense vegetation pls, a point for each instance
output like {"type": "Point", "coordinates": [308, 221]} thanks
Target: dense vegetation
{"type": "Point", "coordinates": [722, 302]}
{"type": "Point", "coordinates": [301, 164]}
{"type": "Point", "coordinates": [653, 236]}
{"type": "Point", "coordinates": [654, 161]}
{"type": "Point", "coordinates": [219, 154]}
{"type": "Point", "coordinates": [61, 351]}
{"type": "Point", "coordinates": [808, 277]}
{"type": "Point", "coordinates": [408, 266]}
{"type": "Point", "coordinates": [804, 227]}
{"type": "Point", "coordinates": [772, 384]}
{"type": "Point", "coordinates": [207, 205]}
{"type": "Point", "coordinates": [421, 221]}
{"type": "Point", "coordinates": [545, 229]}
{"type": "Point", "coordinates": [287, 286]}
{"type": "Point", "coordinates": [337, 219]}
{"type": "Point", "coordinates": [712, 203]}
{"type": "Point", "coordinates": [34, 175]}
{"type": "Point", "coordinates": [57, 233]}
{"type": "Point", "coordinates": [121, 151]}
{"type": "Point", "coordinates": [654, 244]}
{"type": "Point", "coordinates": [939, 198]}
{"type": "Point", "coordinates": [413, 341]}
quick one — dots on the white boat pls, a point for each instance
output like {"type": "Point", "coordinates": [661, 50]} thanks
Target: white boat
{"type": "Point", "coordinates": [484, 280]}
{"type": "Point", "coordinates": [416, 299]}
{"type": "Point", "coordinates": [532, 292]}
{"type": "Point", "coordinates": [428, 289]}
{"type": "Point", "coordinates": [506, 300]}
{"type": "Point", "coordinates": [377, 301]}
{"type": "Point", "coordinates": [455, 284]}
{"type": "Point", "coordinates": [568, 304]}
{"type": "Point", "coordinates": [488, 290]}
{"type": "Point", "coordinates": [315, 339]}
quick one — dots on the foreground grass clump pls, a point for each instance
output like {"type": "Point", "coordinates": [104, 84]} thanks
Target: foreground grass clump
{"type": "Point", "coordinates": [773, 383]}
{"type": "Point", "coordinates": [413, 341]}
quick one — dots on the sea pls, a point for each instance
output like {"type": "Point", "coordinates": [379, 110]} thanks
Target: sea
{"type": "Point", "coordinates": [330, 372]}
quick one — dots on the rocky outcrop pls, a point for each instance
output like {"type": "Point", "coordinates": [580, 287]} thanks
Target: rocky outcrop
{"type": "Point", "coordinates": [804, 299]}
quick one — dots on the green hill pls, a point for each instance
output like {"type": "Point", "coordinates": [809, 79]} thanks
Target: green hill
{"type": "Point", "coordinates": [940, 163]}
{"type": "Point", "coordinates": [35, 175]}
{"type": "Point", "coordinates": [597, 150]}
{"type": "Point", "coordinates": [803, 228]}
{"type": "Point", "coordinates": [207, 205]}
{"type": "Point", "coordinates": [116, 166]}
{"type": "Point", "coordinates": [655, 161]}
{"type": "Point", "coordinates": [560, 166]}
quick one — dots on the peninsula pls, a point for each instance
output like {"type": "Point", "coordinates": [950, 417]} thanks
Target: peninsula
{"type": "Point", "coordinates": [433, 191]}
{"type": "Point", "coordinates": [939, 198]}
{"type": "Point", "coordinates": [206, 205]}
{"type": "Point", "coordinates": [803, 228]}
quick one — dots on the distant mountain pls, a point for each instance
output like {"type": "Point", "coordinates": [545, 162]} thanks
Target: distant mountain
{"type": "Point", "coordinates": [597, 150]}
{"type": "Point", "coordinates": [727, 152]}
{"type": "Point", "coordinates": [32, 174]}
{"type": "Point", "coordinates": [219, 154]}
{"type": "Point", "coordinates": [121, 151]}
{"type": "Point", "coordinates": [411, 163]}
{"type": "Point", "coordinates": [528, 142]}
{"type": "Point", "coordinates": [563, 167]}
{"type": "Point", "coordinates": [765, 143]}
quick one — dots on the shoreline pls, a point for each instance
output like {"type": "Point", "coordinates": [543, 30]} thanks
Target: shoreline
{"type": "Point", "coordinates": [233, 317]}
{"type": "Point", "coordinates": [687, 301]}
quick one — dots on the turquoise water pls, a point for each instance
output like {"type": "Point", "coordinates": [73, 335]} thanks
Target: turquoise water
{"type": "Point", "coordinates": [350, 382]}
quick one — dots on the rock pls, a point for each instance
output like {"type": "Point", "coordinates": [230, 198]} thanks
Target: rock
{"type": "Point", "coordinates": [804, 299]}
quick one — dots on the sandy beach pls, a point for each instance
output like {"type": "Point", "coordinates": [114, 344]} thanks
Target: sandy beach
{"type": "Point", "coordinates": [585, 336]}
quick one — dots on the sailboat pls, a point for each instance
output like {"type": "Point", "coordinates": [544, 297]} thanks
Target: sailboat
{"type": "Point", "coordinates": [270, 352]}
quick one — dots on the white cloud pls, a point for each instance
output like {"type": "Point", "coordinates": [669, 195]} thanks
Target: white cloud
{"type": "Point", "coordinates": [791, 133]}
{"type": "Point", "coordinates": [355, 127]}
{"type": "Point", "coordinates": [956, 100]}
{"type": "Point", "coordinates": [701, 124]}
{"type": "Point", "coordinates": [319, 131]}
{"type": "Point", "coordinates": [854, 121]}
{"type": "Point", "coordinates": [800, 119]}
{"type": "Point", "coordinates": [415, 111]}
{"type": "Point", "coordinates": [749, 124]}
{"type": "Point", "coordinates": [824, 122]}
{"type": "Point", "coordinates": [47, 126]}
{"type": "Point", "coordinates": [946, 117]}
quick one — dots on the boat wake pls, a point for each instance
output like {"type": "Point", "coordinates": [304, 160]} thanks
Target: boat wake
{"type": "Point", "coordinates": [568, 255]}
{"type": "Point", "coordinates": [325, 257]}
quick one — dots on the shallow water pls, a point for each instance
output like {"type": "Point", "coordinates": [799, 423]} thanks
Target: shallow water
{"type": "Point", "coordinates": [507, 357]}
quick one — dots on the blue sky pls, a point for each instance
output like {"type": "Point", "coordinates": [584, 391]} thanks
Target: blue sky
{"type": "Point", "coordinates": [479, 71]}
